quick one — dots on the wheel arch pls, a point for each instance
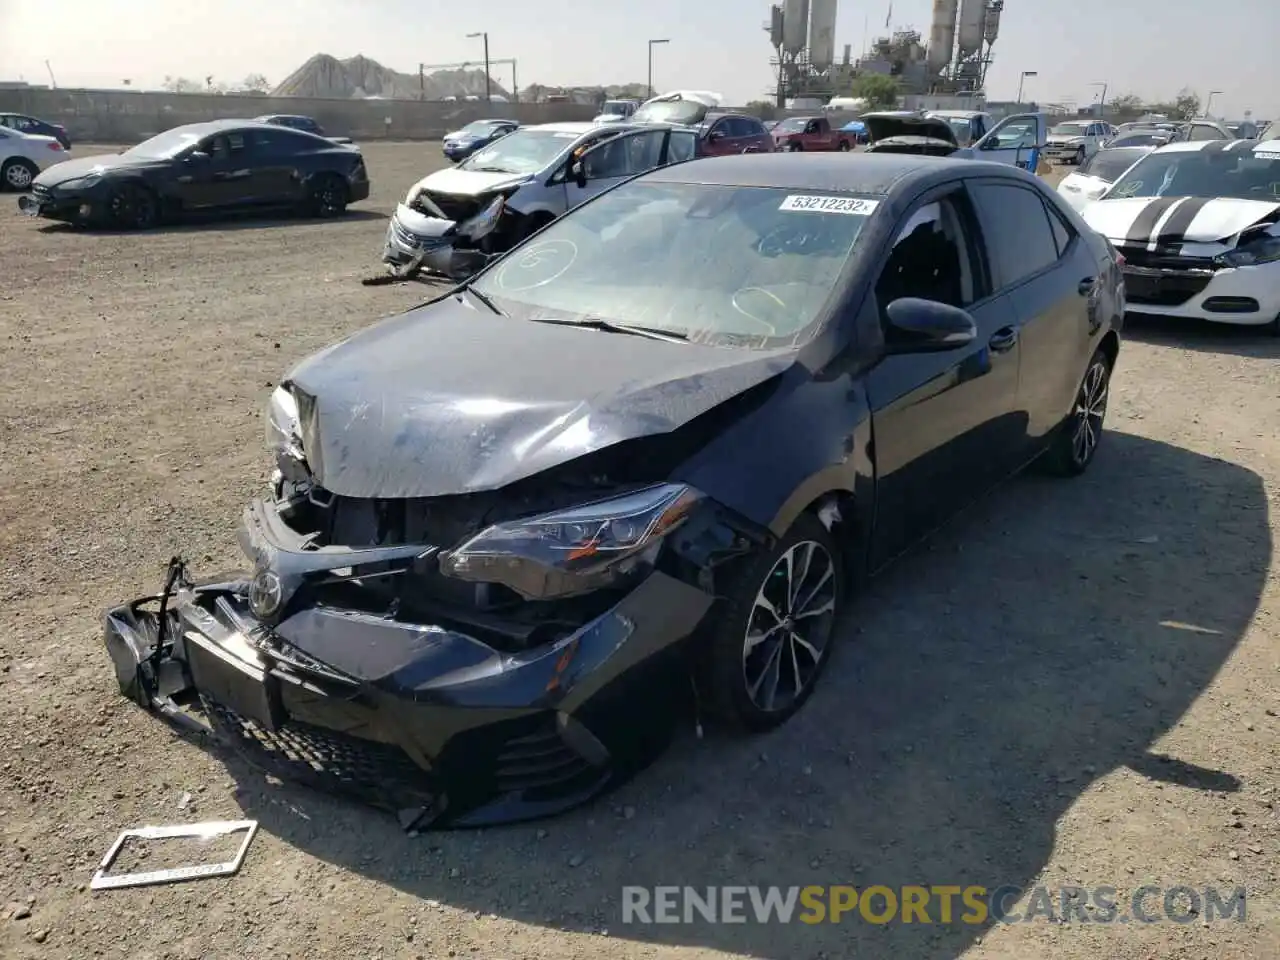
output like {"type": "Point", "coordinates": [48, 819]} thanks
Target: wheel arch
{"type": "Point", "coordinates": [1110, 345]}
{"type": "Point", "coordinates": [836, 507]}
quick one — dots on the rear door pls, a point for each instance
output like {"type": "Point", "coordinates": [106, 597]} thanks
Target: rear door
{"type": "Point", "coordinates": [1047, 272]}
{"type": "Point", "coordinates": [1016, 140]}
{"type": "Point", "coordinates": [274, 157]}
{"type": "Point", "coordinates": [945, 424]}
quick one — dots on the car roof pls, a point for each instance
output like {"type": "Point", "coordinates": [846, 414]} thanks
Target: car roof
{"type": "Point", "coordinates": [958, 113]}
{"type": "Point", "coordinates": [214, 126]}
{"type": "Point", "coordinates": [869, 173]}
{"type": "Point", "coordinates": [1219, 146]}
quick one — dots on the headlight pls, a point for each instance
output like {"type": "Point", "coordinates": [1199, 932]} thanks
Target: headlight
{"type": "Point", "coordinates": [81, 183]}
{"type": "Point", "coordinates": [284, 435]}
{"type": "Point", "coordinates": [1266, 250]}
{"type": "Point", "coordinates": [574, 551]}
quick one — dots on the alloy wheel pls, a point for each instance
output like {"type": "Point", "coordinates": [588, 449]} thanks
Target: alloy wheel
{"type": "Point", "coordinates": [1091, 408]}
{"type": "Point", "coordinates": [18, 176]}
{"type": "Point", "coordinates": [789, 626]}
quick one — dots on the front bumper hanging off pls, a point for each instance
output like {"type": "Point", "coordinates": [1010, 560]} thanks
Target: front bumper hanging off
{"type": "Point", "coordinates": [421, 720]}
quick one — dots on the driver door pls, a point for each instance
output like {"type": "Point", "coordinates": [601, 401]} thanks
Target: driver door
{"type": "Point", "coordinates": [1016, 140]}
{"type": "Point", "coordinates": [224, 179]}
{"type": "Point", "coordinates": [617, 159]}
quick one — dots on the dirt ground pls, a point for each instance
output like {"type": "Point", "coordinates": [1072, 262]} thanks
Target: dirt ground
{"type": "Point", "coordinates": [1077, 683]}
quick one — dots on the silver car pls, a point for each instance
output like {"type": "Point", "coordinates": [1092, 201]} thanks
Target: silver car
{"type": "Point", "coordinates": [452, 221]}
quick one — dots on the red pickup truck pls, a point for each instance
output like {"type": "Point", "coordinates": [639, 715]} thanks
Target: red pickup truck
{"type": "Point", "coordinates": [810, 133]}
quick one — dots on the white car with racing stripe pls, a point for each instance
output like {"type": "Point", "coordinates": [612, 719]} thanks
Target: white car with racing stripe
{"type": "Point", "coordinates": [1198, 224]}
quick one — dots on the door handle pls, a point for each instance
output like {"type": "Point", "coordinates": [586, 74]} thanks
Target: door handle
{"type": "Point", "coordinates": [1086, 286]}
{"type": "Point", "coordinates": [1003, 340]}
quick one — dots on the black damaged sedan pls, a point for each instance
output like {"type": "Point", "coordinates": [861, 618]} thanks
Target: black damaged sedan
{"type": "Point", "coordinates": [202, 168]}
{"type": "Point", "coordinates": [635, 467]}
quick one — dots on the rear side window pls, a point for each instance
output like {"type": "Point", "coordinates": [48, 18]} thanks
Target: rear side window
{"type": "Point", "coordinates": [1062, 232]}
{"type": "Point", "coordinates": [1200, 131]}
{"type": "Point", "coordinates": [1019, 237]}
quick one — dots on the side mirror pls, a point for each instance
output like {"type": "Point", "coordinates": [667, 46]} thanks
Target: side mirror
{"type": "Point", "coordinates": [990, 144]}
{"type": "Point", "coordinates": [579, 173]}
{"type": "Point", "coordinates": [197, 156]}
{"type": "Point", "coordinates": [714, 135]}
{"type": "Point", "coordinates": [927, 326]}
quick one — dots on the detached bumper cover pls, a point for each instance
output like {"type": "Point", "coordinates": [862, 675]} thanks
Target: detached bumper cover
{"type": "Point", "coordinates": [421, 720]}
{"type": "Point", "coordinates": [439, 245]}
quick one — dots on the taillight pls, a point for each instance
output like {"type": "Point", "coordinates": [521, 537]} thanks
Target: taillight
{"type": "Point", "coordinates": [55, 146]}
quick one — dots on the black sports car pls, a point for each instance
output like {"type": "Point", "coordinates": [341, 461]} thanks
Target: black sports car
{"type": "Point", "coordinates": [658, 441]}
{"type": "Point", "coordinates": [202, 167]}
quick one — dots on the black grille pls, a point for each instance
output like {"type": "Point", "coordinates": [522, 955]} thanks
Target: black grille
{"type": "Point", "coordinates": [1164, 259]}
{"type": "Point", "coordinates": [541, 764]}
{"type": "Point", "coordinates": [455, 208]}
{"type": "Point", "coordinates": [376, 773]}
{"type": "Point", "coordinates": [1168, 290]}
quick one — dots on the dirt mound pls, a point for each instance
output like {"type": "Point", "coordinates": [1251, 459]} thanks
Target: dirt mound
{"type": "Point", "coordinates": [359, 77]}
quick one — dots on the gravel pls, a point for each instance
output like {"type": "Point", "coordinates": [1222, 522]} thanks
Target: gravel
{"type": "Point", "coordinates": [1075, 683]}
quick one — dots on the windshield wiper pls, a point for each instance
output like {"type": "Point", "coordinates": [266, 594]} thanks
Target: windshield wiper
{"type": "Point", "coordinates": [467, 288]}
{"type": "Point", "coordinates": [490, 170]}
{"type": "Point", "coordinates": [612, 326]}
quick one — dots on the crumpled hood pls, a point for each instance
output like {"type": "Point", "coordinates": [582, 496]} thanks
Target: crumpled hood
{"type": "Point", "coordinates": [84, 166]}
{"type": "Point", "coordinates": [467, 183]}
{"type": "Point", "coordinates": [882, 127]}
{"type": "Point", "coordinates": [447, 400]}
{"type": "Point", "coordinates": [1137, 220]}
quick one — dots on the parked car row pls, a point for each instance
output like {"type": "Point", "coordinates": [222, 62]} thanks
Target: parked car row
{"type": "Point", "coordinates": [453, 221]}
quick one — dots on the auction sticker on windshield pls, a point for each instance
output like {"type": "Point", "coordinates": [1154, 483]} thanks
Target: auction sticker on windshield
{"type": "Point", "coordinates": [829, 205]}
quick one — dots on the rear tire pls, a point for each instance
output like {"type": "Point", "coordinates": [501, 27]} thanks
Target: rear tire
{"type": "Point", "coordinates": [1077, 440]}
{"type": "Point", "coordinates": [132, 206]}
{"type": "Point", "coordinates": [327, 196]}
{"type": "Point", "coordinates": [774, 629]}
{"type": "Point", "coordinates": [18, 173]}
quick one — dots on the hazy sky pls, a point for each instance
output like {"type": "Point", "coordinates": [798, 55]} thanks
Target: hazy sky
{"type": "Point", "coordinates": [1149, 47]}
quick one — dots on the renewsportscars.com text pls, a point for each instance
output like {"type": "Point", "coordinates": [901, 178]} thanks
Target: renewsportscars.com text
{"type": "Point", "coordinates": [942, 904]}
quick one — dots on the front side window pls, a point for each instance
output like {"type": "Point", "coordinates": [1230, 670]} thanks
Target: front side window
{"type": "Point", "coordinates": [930, 259]}
{"type": "Point", "coordinates": [751, 267]}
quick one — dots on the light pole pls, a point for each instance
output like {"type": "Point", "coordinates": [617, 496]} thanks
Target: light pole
{"type": "Point", "coordinates": [1022, 79]}
{"type": "Point", "coordinates": [1209, 102]}
{"type": "Point", "coordinates": [1102, 100]}
{"type": "Point", "coordinates": [652, 44]}
{"type": "Point", "coordinates": [488, 83]}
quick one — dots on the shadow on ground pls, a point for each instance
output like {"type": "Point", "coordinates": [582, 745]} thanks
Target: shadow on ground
{"type": "Point", "coordinates": [1048, 637]}
{"type": "Point", "coordinates": [255, 220]}
{"type": "Point", "coordinates": [1240, 341]}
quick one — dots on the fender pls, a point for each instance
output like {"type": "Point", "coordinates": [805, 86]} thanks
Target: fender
{"type": "Point", "coordinates": [812, 438]}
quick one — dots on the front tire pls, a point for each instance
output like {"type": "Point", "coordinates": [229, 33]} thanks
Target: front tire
{"type": "Point", "coordinates": [18, 173]}
{"type": "Point", "coordinates": [795, 148]}
{"type": "Point", "coordinates": [775, 629]}
{"type": "Point", "coordinates": [133, 207]}
{"type": "Point", "coordinates": [1077, 440]}
{"type": "Point", "coordinates": [844, 146]}
{"type": "Point", "coordinates": [1080, 157]}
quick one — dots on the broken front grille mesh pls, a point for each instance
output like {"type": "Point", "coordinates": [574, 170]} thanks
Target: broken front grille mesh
{"type": "Point", "coordinates": [376, 773]}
